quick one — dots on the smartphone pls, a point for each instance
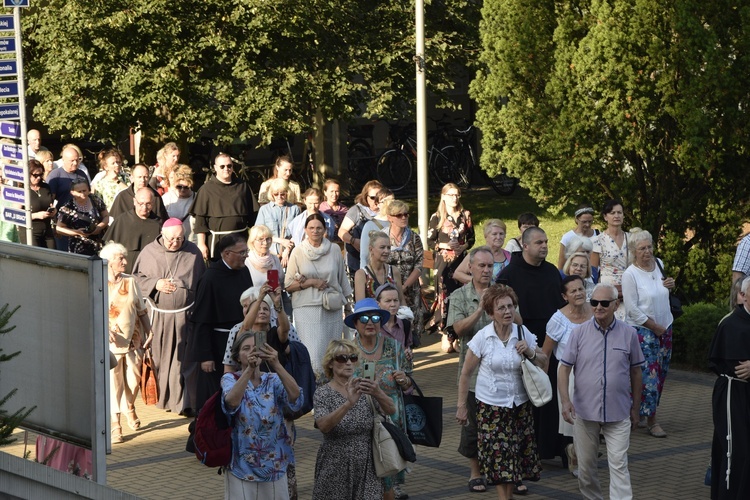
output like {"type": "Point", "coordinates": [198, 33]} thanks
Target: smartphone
{"type": "Point", "coordinates": [368, 370]}
{"type": "Point", "coordinates": [272, 278]}
{"type": "Point", "coordinates": [260, 339]}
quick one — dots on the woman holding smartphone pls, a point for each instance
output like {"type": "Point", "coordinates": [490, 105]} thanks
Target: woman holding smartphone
{"type": "Point", "coordinates": [381, 359]}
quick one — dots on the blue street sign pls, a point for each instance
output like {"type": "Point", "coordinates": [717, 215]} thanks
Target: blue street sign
{"type": "Point", "coordinates": [13, 172]}
{"type": "Point", "coordinates": [11, 152]}
{"type": "Point", "coordinates": [14, 195]}
{"type": "Point", "coordinates": [11, 130]}
{"type": "Point", "coordinates": [6, 23]}
{"type": "Point", "coordinates": [14, 216]}
{"type": "Point", "coordinates": [8, 67]}
{"type": "Point", "coordinates": [9, 89]}
{"type": "Point", "coordinates": [15, 3]}
{"type": "Point", "coordinates": [7, 44]}
{"type": "Point", "coordinates": [10, 111]}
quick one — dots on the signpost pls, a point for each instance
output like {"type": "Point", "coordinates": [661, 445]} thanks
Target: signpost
{"type": "Point", "coordinates": [15, 171]}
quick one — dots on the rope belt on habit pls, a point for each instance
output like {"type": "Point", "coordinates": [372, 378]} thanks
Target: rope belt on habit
{"type": "Point", "coordinates": [153, 309]}
{"type": "Point", "coordinates": [729, 422]}
{"type": "Point", "coordinates": [214, 234]}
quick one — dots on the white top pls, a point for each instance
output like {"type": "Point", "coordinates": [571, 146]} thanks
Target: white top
{"type": "Point", "coordinates": [513, 246]}
{"type": "Point", "coordinates": [329, 267]}
{"type": "Point", "coordinates": [558, 329]}
{"type": "Point", "coordinates": [565, 240]}
{"type": "Point", "coordinates": [178, 207]}
{"type": "Point", "coordinates": [645, 297]}
{"type": "Point", "coordinates": [364, 242]}
{"type": "Point", "coordinates": [499, 381]}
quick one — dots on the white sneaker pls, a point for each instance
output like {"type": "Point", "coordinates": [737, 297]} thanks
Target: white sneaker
{"type": "Point", "coordinates": [399, 493]}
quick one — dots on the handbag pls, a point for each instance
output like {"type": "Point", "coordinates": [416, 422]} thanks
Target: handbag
{"type": "Point", "coordinates": [385, 454]}
{"type": "Point", "coordinates": [675, 306]}
{"type": "Point", "coordinates": [424, 418]}
{"type": "Point", "coordinates": [535, 380]}
{"type": "Point", "coordinates": [149, 387]}
{"type": "Point", "coordinates": [333, 300]}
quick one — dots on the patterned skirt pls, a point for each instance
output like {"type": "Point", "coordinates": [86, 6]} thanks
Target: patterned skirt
{"type": "Point", "coordinates": [506, 442]}
{"type": "Point", "coordinates": [316, 327]}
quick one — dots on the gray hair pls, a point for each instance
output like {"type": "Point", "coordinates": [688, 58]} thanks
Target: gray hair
{"type": "Point", "coordinates": [111, 249]}
{"type": "Point", "coordinates": [476, 250]}
{"type": "Point", "coordinates": [578, 244]}
{"type": "Point", "coordinates": [606, 286]}
{"type": "Point", "coordinates": [637, 236]}
{"type": "Point", "coordinates": [252, 294]}
{"type": "Point", "coordinates": [745, 284]}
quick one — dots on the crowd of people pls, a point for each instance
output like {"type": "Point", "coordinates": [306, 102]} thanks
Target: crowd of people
{"type": "Point", "coordinates": [287, 301]}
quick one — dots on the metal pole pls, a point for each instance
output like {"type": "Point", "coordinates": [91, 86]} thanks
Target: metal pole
{"type": "Point", "coordinates": [22, 121]}
{"type": "Point", "coordinates": [421, 118]}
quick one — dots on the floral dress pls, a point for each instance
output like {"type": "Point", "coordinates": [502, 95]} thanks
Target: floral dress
{"type": "Point", "coordinates": [74, 217]}
{"type": "Point", "coordinates": [392, 359]}
{"type": "Point", "coordinates": [446, 261]}
{"type": "Point", "coordinates": [408, 256]}
{"type": "Point", "coordinates": [613, 261]}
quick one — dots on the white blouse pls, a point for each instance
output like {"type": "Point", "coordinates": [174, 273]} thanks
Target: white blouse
{"type": "Point", "coordinates": [499, 380]}
{"type": "Point", "coordinates": [645, 296]}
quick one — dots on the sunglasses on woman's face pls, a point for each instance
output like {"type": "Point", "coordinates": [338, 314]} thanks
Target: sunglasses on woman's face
{"type": "Point", "coordinates": [364, 319]}
{"type": "Point", "coordinates": [343, 358]}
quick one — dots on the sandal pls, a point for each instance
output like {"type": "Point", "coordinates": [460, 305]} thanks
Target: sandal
{"type": "Point", "coordinates": [116, 432]}
{"type": "Point", "coordinates": [477, 485]}
{"type": "Point", "coordinates": [656, 431]}
{"type": "Point", "coordinates": [520, 489]}
{"type": "Point", "coordinates": [133, 421]}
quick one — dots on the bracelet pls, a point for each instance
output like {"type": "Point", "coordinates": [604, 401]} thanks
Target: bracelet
{"type": "Point", "coordinates": [533, 357]}
{"type": "Point", "coordinates": [277, 309]}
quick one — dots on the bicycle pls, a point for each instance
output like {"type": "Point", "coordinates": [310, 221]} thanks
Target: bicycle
{"type": "Point", "coordinates": [360, 154]}
{"type": "Point", "coordinates": [394, 167]}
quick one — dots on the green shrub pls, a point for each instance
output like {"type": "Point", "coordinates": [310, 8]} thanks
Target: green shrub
{"type": "Point", "coordinates": [692, 334]}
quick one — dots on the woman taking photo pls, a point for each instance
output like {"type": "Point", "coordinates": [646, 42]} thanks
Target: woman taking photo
{"type": "Point", "coordinates": [389, 360]}
{"type": "Point", "coordinates": [108, 185]}
{"type": "Point", "coordinates": [645, 291]}
{"type": "Point", "coordinates": [584, 217]}
{"type": "Point", "coordinates": [450, 235]}
{"type": "Point", "coordinates": [42, 209]}
{"type": "Point", "coordinates": [344, 466]}
{"type": "Point", "coordinates": [84, 218]}
{"type": "Point", "coordinates": [282, 169]}
{"type": "Point", "coordinates": [367, 205]}
{"type": "Point", "coordinates": [377, 272]}
{"type": "Point", "coordinates": [317, 280]}
{"type": "Point", "coordinates": [129, 335]}
{"type": "Point", "coordinates": [505, 424]}
{"type": "Point", "coordinates": [261, 445]}
{"type": "Point", "coordinates": [494, 235]}
{"type": "Point", "coordinates": [611, 254]}
{"type": "Point", "coordinates": [576, 311]}
{"type": "Point", "coordinates": [277, 216]}
{"type": "Point", "coordinates": [259, 258]}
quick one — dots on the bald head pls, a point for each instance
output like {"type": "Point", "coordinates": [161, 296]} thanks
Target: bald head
{"type": "Point", "coordinates": [71, 159]}
{"type": "Point", "coordinates": [534, 242]}
{"type": "Point", "coordinates": [139, 176]}
{"type": "Point", "coordinates": [143, 201]}
{"type": "Point", "coordinates": [34, 139]}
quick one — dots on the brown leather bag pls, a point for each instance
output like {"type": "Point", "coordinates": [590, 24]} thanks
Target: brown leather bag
{"type": "Point", "coordinates": [149, 387]}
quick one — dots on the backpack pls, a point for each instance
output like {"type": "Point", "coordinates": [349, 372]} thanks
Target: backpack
{"type": "Point", "coordinates": [213, 433]}
{"type": "Point", "coordinates": [356, 231]}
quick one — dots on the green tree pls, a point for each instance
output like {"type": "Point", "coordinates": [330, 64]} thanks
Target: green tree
{"type": "Point", "coordinates": [637, 99]}
{"type": "Point", "coordinates": [234, 68]}
{"type": "Point", "coordinates": [9, 421]}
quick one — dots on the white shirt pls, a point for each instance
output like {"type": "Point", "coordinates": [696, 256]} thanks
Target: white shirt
{"type": "Point", "coordinates": [499, 381]}
{"type": "Point", "coordinates": [644, 297]}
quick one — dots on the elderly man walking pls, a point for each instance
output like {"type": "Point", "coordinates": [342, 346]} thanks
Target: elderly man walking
{"type": "Point", "coordinates": [167, 271]}
{"type": "Point", "coordinates": [607, 358]}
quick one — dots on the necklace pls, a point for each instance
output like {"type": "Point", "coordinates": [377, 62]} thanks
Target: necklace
{"type": "Point", "coordinates": [369, 353]}
{"type": "Point", "coordinates": [505, 342]}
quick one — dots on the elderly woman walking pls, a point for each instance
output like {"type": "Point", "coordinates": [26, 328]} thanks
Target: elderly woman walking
{"type": "Point", "coordinates": [129, 334]}
{"type": "Point", "coordinates": [645, 290]}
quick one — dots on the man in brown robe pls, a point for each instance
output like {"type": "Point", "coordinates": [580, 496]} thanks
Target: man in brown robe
{"type": "Point", "coordinates": [167, 271]}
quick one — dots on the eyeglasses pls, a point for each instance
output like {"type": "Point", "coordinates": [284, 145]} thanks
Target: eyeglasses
{"type": "Point", "coordinates": [373, 198]}
{"type": "Point", "coordinates": [243, 253]}
{"type": "Point", "coordinates": [604, 303]}
{"type": "Point", "coordinates": [400, 216]}
{"type": "Point", "coordinates": [143, 204]}
{"type": "Point", "coordinates": [182, 187]}
{"type": "Point", "coordinates": [227, 167]}
{"type": "Point", "coordinates": [365, 318]}
{"type": "Point", "coordinates": [453, 195]}
{"type": "Point", "coordinates": [265, 240]}
{"type": "Point", "coordinates": [343, 358]}
{"type": "Point", "coordinates": [173, 240]}
{"type": "Point", "coordinates": [282, 193]}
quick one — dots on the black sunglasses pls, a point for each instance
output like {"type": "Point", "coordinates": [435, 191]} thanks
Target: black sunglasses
{"type": "Point", "coordinates": [182, 187]}
{"type": "Point", "coordinates": [343, 358]}
{"type": "Point", "coordinates": [604, 303]}
{"type": "Point", "coordinates": [375, 318]}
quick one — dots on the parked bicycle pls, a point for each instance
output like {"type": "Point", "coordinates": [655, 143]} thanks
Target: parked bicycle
{"type": "Point", "coordinates": [360, 154]}
{"type": "Point", "coordinates": [395, 169]}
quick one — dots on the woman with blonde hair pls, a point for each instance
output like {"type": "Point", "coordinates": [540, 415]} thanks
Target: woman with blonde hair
{"type": "Point", "coordinates": [450, 235]}
{"type": "Point", "coordinates": [366, 207]}
{"type": "Point", "coordinates": [180, 197]}
{"type": "Point", "coordinates": [166, 160]}
{"type": "Point", "coordinates": [494, 234]}
{"type": "Point", "coordinates": [377, 272]}
{"type": "Point", "coordinates": [277, 216]}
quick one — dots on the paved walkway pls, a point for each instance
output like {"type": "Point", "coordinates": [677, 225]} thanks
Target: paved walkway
{"type": "Point", "coordinates": [152, 463]}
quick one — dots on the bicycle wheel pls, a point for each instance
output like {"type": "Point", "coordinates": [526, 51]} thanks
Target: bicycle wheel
{"type": "Point", "coordinates": [359, 163]}
{"type": "Point", "coordinates": [394, 169]}
{"type": "Point", "coordinates": [444, 165]}
{"type": "Point", "coordinates": [464, 167]}
{"type": "Point", "coordinates": [255, 179]}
